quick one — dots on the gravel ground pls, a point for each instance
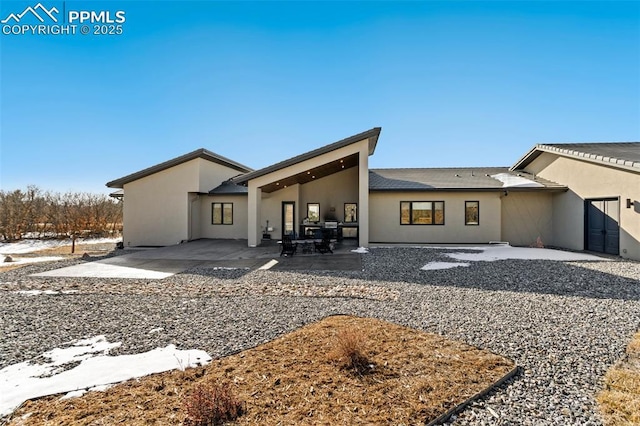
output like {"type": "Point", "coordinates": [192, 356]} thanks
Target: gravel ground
{"type": "Point", "coordinates": [564, 323]}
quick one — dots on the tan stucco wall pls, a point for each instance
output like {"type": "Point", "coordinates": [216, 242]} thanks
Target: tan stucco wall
{"type": "Point", "coordinates": [257, 212]}
{"type": "Point", "coordinates": [588, 180]}
{"type": "Point", "coordinates": [384, 217]}
{"type": "Point", "coordinates": [158, 208]}
{"type": "Point", "coordinates": [213, 174]}
{"type": "Point", "coordinates": [527, 216]}
{"type": "Point", "coordinates": [271, 209]}
{"type": "Point", "coordinates": [236, 231]}
{"type": "Point", "coordinates": [331, 191]}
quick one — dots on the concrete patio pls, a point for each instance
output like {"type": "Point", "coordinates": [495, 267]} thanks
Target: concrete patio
{"type": "Point", "coordinates": [162, 262]}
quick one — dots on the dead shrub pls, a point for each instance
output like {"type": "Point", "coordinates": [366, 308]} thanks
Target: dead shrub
{"type": "Point", "coordinates": [212, 405]}
{"type": "Point", "coordinates": [350, 348]}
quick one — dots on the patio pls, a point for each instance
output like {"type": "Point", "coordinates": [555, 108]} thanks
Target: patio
{"type": "Point", "coordinates": [162, 262]}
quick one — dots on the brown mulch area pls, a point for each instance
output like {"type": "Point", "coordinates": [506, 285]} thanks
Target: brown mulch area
{"type": "Point", "coordinates": [301, 378]}
{"type": "Point", "coordinates": [619, 401]}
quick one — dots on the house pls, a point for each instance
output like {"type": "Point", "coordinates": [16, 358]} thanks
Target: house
{"type": "Point", "coordinates": [576, 196]}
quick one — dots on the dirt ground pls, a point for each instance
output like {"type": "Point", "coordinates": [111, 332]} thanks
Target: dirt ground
{"type": "Point", "coordinates": [301, 378]}
{"type": "Point", "coordinates": [100, 249]}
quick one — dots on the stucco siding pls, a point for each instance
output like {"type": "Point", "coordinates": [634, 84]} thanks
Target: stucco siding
{"type": "Point", "coordinates": [527, 216]}
{"type": "Point", "coordinates": [156, 206]}
{"type": "Point", "coordinates": [213, 174]}
{"type": "Point", "coordinates": [237, 230]}
{"type": "Point", "coordinates": [384, 218]}
{"type": "Point", "coordinates": [588, 180]}
{"type": "Point", "coordinates": [271, 209]}
{"type": "Point", "coordinates": [331, 192]}
{"type": "Point", "coordinates": [164, 208]}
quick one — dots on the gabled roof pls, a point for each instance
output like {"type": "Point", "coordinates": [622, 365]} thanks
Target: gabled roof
{"type": "Point", "coordinates": [198, 153]}
{"type": "Point", "coordinates": [371, 134]}
{"type": "Point", "coordinates": [456, 179]}
{"type": "Point", "coordinates": [624, 155]}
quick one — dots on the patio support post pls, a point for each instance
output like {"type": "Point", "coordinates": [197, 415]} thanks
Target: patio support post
{"type": "Point", "coordinates": [253, 205]}
{"type": "Point", "coordinates": [363, 196]}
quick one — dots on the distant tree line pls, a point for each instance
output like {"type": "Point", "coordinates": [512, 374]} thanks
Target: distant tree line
{"type": "Point", "coordinates": [33, 213]}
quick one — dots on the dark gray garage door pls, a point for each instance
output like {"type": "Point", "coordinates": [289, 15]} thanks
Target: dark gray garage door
{"type": "Point", "coordinates": [602, 227]}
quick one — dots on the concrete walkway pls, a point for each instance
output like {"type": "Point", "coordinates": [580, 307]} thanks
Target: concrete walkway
{"type": "Point", "coordinates": [158, 263]}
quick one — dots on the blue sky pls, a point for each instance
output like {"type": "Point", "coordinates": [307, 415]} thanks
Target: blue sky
{"type": "Point", "coordinates": [454, 83]}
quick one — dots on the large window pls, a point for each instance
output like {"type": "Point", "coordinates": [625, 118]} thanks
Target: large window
{"type": "Point", "coordinates": [422, 212]}
{"type": "Point", "coordinates": [222, 213]}
{"type": "Point", "coordinates": [472, 212]}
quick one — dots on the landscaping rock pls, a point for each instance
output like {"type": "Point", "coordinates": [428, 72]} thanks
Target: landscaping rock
{"type": "Point", "coordinates": [563, 323]}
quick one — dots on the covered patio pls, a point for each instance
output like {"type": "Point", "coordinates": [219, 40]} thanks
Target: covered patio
{"type": "Point", "coordinates": [327, 185]}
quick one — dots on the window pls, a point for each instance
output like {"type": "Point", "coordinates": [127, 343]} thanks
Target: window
{"type": "Point", "coordinates": [472, 212]}
{"type": "Point", "coordinates": [222, 213]}
{"type": "Point", "coordinates": [313, 212]}
{"type": "Point", "coordinates": [422, 212]}
{"type": "Point", "coordinates": [350, 212]}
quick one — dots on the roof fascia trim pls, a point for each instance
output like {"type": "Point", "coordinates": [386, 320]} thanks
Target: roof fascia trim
{"type": "Point", "coordinates": [502, 189]}
{"type": "Point", "coordinates": [372, 135]}
{"type": "Point", "coordinates": [577, 155]}
{"type": "Point", "coordinates": [199, 153]}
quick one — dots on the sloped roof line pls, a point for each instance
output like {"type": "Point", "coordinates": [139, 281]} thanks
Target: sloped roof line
{"type": "Point", "coordinates": [457, 179]}
{"type": "Point", "coordinates": [198, 153]}
{"type": "Point", "coordinates": [371, 134]}
{"type": "Point", "coordinates": [625, 155]}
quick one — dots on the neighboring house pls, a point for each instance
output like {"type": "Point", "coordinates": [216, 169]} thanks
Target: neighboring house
{"type": "Point", "coordinates": [567, 195]}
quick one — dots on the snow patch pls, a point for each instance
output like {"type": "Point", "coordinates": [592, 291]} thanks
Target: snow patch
{"type": "Point", "coordinates": [95, 369]}
{"type": "Point", "coordinates": [25, 260]}
{"type": "Point", "coordinates": [362, 250]}
{"type": "Point", "coordinates": [511, 181]}
{"type": "Point", "coordinates": [503, 252]}
{"type": "Point", "coordinates": [270, 264]}
{"type": "Point", "coordinates": [432, 266]}
{"type": "Point", "coordinates": [47, 292]}
{"type": "Point", "coordinates": [29, 245]}
{"type": "Point", "coordinates": [493, 252]}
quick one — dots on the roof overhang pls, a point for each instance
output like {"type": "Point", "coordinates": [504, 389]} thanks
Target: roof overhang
{"type": "Point", "coordinates": [502, 190]}
{"type": "Point", "coordinates": [608, 161]}
{"type": "Point", "coordinates": [318, 171]}
{"type": "Point", "coordinates": [314, 173]}
{"type": "Point", "coordinates": [199, 153]}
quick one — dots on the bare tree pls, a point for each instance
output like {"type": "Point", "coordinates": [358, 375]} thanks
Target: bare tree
{"type": "Point", "coordinates": [35, 213]}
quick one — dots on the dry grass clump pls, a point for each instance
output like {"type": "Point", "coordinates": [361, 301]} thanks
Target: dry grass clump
{"type": "Point", "coordinates": [350, 350]}
{"type": "Point", "coordinates": [291, 380]}
{"type": "Point", "coordinates": [620, 399]}
{"type": "Point", "coordinates": [212, 405]}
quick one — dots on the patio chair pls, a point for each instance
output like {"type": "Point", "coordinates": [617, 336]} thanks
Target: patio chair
{"type": "Point", "coordinates": [324, 245]}
{"type": "Point", "coordinates": [288, 246]}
